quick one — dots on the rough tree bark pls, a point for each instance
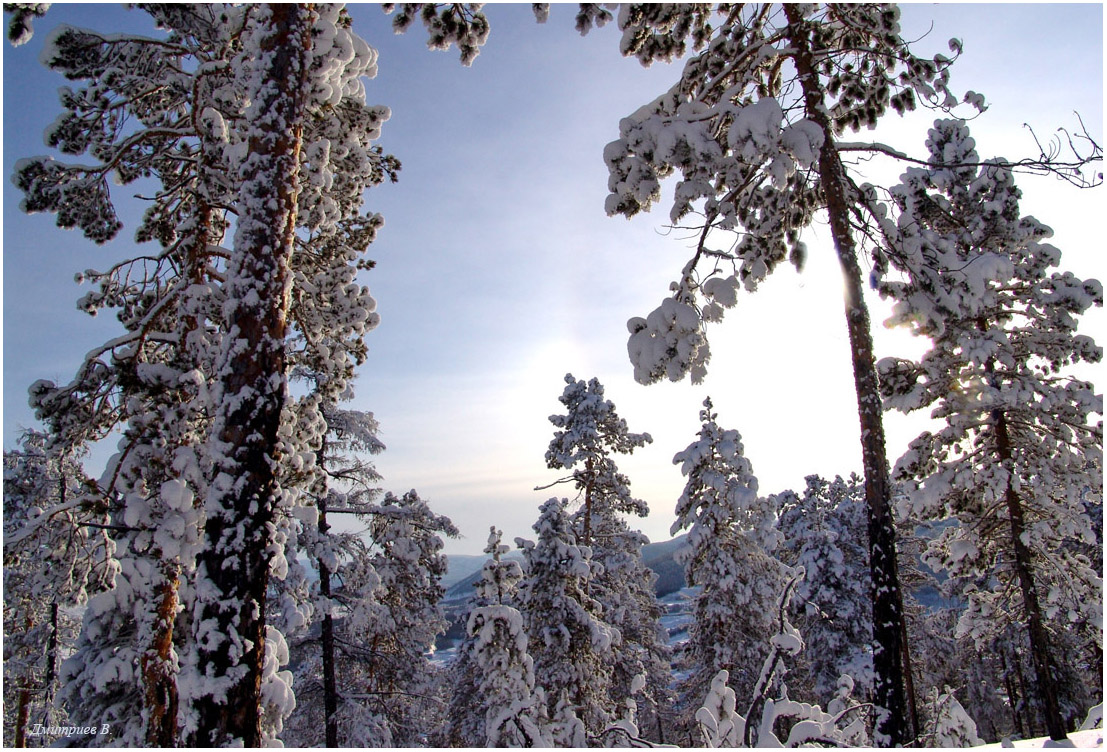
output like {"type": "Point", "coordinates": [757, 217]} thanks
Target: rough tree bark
{"type": "Point", "coordinates": [159, 678]}
{"type": "Point", "coordinates": [22, 716]}
{"type": "Point", "coordinates": [888, 627]}
{"type": "Point", "coordinates": [235, 559]}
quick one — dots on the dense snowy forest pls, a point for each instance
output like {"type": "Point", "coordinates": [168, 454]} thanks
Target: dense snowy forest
{"type": "Point", "coordinates": [237, 573]}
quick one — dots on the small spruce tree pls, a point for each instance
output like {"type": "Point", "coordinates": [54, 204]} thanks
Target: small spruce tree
{"type": "Point", "coordinates": [588, 436]}
{"type": "Point", "coordinates": [514, 710]}
{"type": "Point", "coordinates": [567, 636]}
{"type": "Point", "coordinates": [731, 532]}
{"type": "Point", "coordinates": [824, 532]}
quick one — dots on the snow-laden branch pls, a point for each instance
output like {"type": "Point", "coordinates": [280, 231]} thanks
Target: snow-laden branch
{"type": "Point", "coordinates": [1071, 170]}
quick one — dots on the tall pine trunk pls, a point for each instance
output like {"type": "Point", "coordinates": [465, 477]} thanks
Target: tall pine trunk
{"type": "Point", "coordinates": [909, 677]}
{"type": "Point", "coordinates": [887, 614]}
{"type": "Point", "coordinates": [231, 623]}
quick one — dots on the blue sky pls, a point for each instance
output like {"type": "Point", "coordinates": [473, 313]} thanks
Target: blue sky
{"type": "Point", "coordinates": [498, 272]}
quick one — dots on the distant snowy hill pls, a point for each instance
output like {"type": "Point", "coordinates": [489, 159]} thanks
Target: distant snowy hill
{"type": "Point", "coordinates": [461, 567]}
{"type": "Point", "coordinates": [464, 573]}
{"type": "Point", "coordinates": [661, 558]}
{"type": "Point", "coordinates": [463, 570]}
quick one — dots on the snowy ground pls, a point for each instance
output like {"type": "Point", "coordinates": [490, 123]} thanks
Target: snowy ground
{"type": "Point", "coordinates": [1077, 739]}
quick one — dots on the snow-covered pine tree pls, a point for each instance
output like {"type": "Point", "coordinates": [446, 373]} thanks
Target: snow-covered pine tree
{"type": "Point", "coordinates": [351, 488]}
{"type": "Point", "coordinates": [589, 434]}
{"type": "Point", "coordinates": [464, 726]}
{"type": "Point", "coordinates": [150, 381]}
{"type": "Point", "coordinates": [567, 636]}
{"type": "Point", "coordinates": [753, 127]}
{"type": "Point", "coordinates": [346, 583]}
{"type": "Point", "coordinates": [186, 93]}
{"type": "Point", "coordinates": [56, 556]}
{"type": "Point", "coordinates": [991, 682]}
{"type": "Point", "coordinates": [731, 533]}
{"type": "Point", "coordinates": [1017, 462]}
{"type": "Point", "coordinates": [397, 678]}
{"type": "Point", "coordinates": [953, 727]}
{"type": "Point", "coordinates": [250, 389]}
{"type": "Point", "coordinates": [153, 378]}
{"type": "Point", "coordinates": [512, 709]}
{"type": "Point", "coordinates": [641, 659]}
{"type": "Point", "coordinates": [383, 606]}
{"type": "Point", "coordinates": [343, 710]}
{"type": "Point", "coordinates": [823, 531]}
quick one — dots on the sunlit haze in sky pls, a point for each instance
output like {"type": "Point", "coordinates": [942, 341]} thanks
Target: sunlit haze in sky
{"type": "Point", "coordinates": [498, 271]}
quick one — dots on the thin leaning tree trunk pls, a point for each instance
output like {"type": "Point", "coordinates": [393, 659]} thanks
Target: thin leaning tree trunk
{"type": "Point", "coordinates": [1012, 694]}
{"type": "Point", "coordinates": [330, 685]}
{"type": "Point", "coordinates": [1035, 624]}
{"type": "Point", "coordinates": [909, 679]}
{"type": "Point", "coordinates": [49, 682]}
{"type": "Point", "coordinates": [158, 670]}
{"type": "Point", "coordinates": [22, 717]}
{"type": "Point", "coordinates": [159, 666]}
{"type": "Point", "coordinates": [589, 470]}
{"type": "Point", "coordinates": [231, 623]}
{"type": "Point", "coordinates": [888, 626]}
